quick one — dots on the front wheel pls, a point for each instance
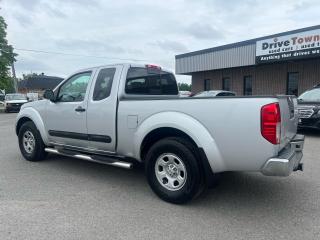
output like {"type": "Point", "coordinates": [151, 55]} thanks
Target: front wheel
{"type": "Point", "coordinates": [173, 171]}
{"type": "Point", "coordinates": [30, 143]}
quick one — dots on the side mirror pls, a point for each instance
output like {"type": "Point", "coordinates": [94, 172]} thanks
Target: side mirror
{"type": "Point", "coordinates": [49, 94]}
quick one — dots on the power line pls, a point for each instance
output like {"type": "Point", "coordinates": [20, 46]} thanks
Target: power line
{"type": "Point", "coordinates": [79, 55]}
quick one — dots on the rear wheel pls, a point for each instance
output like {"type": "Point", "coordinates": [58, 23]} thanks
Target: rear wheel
{"type": "Point", "coordinates": [173, 171]}
{"type": "Point", "coordinates": [30, 143]}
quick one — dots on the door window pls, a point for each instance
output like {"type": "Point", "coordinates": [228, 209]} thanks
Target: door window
{"type": "Point", "coordinates": [103, 84]}
{"type": "Point", "coordinates": [74, 89]}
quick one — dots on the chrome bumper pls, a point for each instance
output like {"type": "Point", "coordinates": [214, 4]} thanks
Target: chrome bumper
{"type": "Point", "coordinates": [288, 160]}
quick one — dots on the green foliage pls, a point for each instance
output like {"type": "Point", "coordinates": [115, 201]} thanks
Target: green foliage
{"type": "Point", "coordinates": [7, 57]}
{"type": "Point", "coordinates": [184, 87]}
{"type": "Point", "coordinates": [6, 83]}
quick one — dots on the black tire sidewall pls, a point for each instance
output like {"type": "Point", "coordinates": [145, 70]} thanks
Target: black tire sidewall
{"type": "Point", "coordinates": [193, 182]}
{"type": "Point", "coordinates": [38, 152]}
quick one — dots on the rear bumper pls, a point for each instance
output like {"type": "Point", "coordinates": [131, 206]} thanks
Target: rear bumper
{"type": "Point", "coordinates": [288, 160]}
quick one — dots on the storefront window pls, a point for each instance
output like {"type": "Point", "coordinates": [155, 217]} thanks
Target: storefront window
{"type": "Point", "coordinates": [292, 83]}
{"type": "Point", "coordinates": [226, 84]}
{"type": "Point", "coordinates": [207, 84]}
{"type": "Point", "coordinates": [247, 85]}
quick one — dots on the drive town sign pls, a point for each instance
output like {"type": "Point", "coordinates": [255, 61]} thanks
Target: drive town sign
{"type": "Point", "coordinates": [294, 46]}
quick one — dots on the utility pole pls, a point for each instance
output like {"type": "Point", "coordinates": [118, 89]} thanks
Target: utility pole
{"type": "Point", "coordinates": [15, 83]}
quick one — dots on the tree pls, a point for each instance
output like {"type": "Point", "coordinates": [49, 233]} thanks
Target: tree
{"type": "Point", "coordinates": [26, 76]}
{"type": "Point", "coordinates": [7, 57]}
{"type": "Point", "coordinates": [184, 87]}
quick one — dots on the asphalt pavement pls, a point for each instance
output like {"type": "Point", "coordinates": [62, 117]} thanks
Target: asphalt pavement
{"type": "Point", "coordinates": [64, 198]}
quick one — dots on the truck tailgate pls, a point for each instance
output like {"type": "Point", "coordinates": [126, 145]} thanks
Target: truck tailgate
{"type": "Point", "coordinates": [289, 119]}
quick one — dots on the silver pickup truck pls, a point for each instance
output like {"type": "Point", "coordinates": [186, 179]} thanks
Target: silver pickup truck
{"type": "Point", "coordinates": [127, 113]}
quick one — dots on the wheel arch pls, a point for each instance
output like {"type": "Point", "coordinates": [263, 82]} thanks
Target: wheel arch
{"type": "Point", "coordinates": [160, 133]}
{"type": "Point", "coordinates": [30, 114]}
{"type": "Point", "coordinates": [20, 122]}
{"type": "Point", "coordinates": [176, 124]}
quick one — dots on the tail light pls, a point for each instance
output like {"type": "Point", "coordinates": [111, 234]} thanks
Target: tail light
{"type": "Point", "coordinates": [271, 123]}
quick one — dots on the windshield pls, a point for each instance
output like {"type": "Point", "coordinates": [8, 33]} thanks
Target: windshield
{"type": "Point", "coordinates": [15, 97]}
{"type": "Point", "coordinates": [310, 96]}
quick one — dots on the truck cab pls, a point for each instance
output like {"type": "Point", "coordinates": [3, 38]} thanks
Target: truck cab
{"type": "Point", "coordinates": [88, 102]}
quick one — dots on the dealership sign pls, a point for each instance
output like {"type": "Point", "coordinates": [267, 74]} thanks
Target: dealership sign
{"type": "Point", "coordinates": [294, 46]}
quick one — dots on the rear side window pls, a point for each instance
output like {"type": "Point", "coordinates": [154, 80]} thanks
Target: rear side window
{"type": "Point", "coordinates": [103, 84]}
{"type": "Point", "coordinates": [146, 81]}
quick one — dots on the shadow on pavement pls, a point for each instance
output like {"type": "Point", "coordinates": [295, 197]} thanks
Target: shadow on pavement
{"type": "Point", "coordinates": [235, 191]}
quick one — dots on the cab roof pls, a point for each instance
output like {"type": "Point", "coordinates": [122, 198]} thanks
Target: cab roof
{"type": "Point", "coordinates": [128, 65]}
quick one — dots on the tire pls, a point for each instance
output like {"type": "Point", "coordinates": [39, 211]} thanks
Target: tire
{"type": "Point", "coordinates": [33, 150]}
{"type": "Point", "coordinates": [180, 156]}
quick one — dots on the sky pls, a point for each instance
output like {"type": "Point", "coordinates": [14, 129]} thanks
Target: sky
{"type": "Point", "coordinates": [103, 32]}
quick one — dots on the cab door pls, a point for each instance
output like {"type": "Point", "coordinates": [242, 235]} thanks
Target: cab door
{"type": "Point", "coordinates": [66, 118]}
{"type": "Point", "coordinates": [102, 109]}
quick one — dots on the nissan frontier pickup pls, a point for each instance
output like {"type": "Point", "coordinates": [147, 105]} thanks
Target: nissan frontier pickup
{"type": "Point", "coordinates": [125, 114]}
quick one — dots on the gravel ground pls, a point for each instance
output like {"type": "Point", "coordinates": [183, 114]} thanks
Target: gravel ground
{"type": "Point", "coordinates": [63, 198]}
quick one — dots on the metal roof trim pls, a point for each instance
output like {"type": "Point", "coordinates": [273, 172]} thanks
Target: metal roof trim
{"type": "Point", "coordinates": [244, 43]}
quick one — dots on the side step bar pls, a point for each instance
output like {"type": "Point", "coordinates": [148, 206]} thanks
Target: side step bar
{"type": "Point", "coordinates": [92, 158]}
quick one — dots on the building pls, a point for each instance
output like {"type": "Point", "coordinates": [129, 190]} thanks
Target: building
{"type": "Point", "coordinates": [38, 83]}
{"type": "Point", "coordinates": [283, 63]}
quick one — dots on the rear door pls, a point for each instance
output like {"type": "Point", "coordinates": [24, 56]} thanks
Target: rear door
{"type": "Point", "coordinates": [102, 109]}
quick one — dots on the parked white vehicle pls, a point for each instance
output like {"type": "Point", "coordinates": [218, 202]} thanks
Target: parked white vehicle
{"type": "Point", "coordinates": [33, 96]}
{"type": "Point", "coordinates": [215, 93]}
{"type": "Point", "coordinates": [127, 113]}
{"type": "Point", "coordinates": [185, 93]}
{"type": "Point", "coordinates": [14, 101]}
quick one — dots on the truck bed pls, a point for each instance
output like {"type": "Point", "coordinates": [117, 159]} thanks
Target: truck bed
{"type": "Point", "coordinates": [233, 123]}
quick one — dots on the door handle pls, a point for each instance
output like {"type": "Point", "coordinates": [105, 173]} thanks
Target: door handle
{"type": "Point", "coordinates": [80, 109]}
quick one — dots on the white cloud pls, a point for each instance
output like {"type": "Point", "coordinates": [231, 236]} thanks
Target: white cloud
{"type": "Point", "coordinates": [153, 30]}
{"type": "Point", "coordinates": [170, 46]}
